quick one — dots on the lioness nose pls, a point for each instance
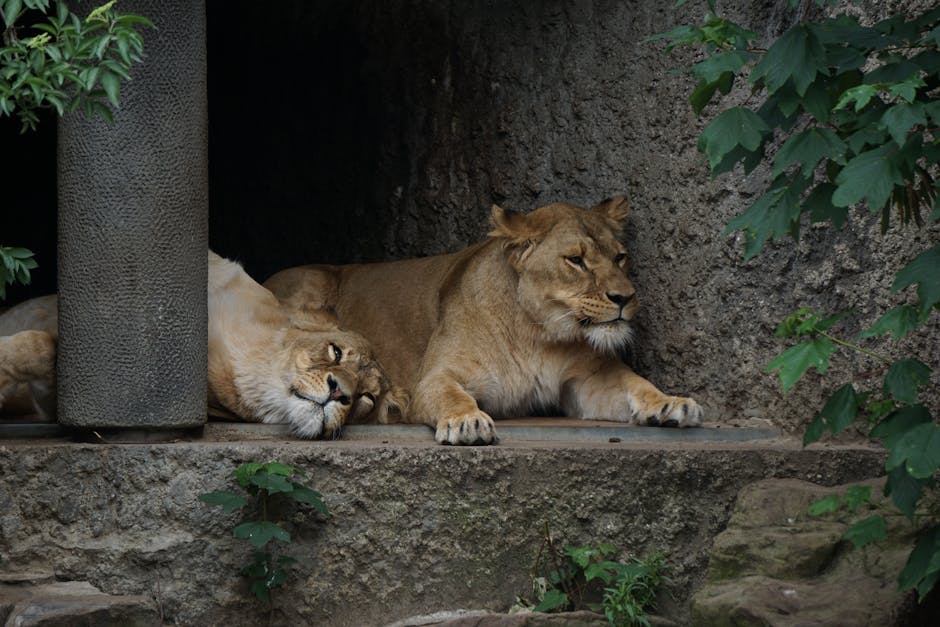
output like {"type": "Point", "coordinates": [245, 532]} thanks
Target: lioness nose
{"type": "Point", "coordinates": [336, 392]}
{"type": "Point", "coordinates": [621, 299]}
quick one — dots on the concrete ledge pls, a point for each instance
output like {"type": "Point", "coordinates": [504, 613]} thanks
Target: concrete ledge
{"type": "Point", "coordinates": [416, 528]}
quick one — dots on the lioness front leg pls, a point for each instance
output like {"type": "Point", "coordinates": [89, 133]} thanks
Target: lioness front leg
{"type": "Point", "coordinates": [443, 404]}
{"type": "Point", "coordinates": [615, 392]}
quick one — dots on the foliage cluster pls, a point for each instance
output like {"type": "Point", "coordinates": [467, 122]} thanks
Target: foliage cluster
{"type": "Point", "coordinates": [66, 62]}
{"type": "Point", "coordinates": [844, 115]}
{"type": "Point", "coordinates": [578, 577]}
{"type": "Point", "coordinates": [265, 483]}
{"type": "Point", "coordinates": [15, 264]}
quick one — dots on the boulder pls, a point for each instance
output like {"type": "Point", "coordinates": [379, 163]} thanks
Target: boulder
{"type": "Point", "coordinates": [777, 565]}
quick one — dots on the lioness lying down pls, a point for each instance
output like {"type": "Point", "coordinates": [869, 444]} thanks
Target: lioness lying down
{"type": "Point", "coordinates": [265, 363]}
{"type": "Point", "coordinates": [531, 318]}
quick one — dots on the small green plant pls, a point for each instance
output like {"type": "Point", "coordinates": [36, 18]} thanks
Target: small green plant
{"type": "Point", "coordinates": [265, 483]}
{"type": "Point", "coordinates": [579, 577]}
{"type": "Point", "coordinates": [15, 264]}
{"type": "Point", "coordinates": [66, 62]}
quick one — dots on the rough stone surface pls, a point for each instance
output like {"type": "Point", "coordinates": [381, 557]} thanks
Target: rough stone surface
{"type": "Point", "coordinates": [72, 603]}
{"type": "Point", "coordinates": [776, 565]}
{"type": "Point", "coordinates": [415, 528]}
{"type": "Point", "coordinates": [412, 117]}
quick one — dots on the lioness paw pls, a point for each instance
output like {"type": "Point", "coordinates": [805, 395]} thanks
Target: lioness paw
{"type": "Point", "coordinates": [673, 411]}
{"type": "Point", "coordinates": [473, 428]}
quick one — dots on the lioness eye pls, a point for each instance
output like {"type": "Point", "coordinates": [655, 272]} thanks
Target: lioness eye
{"type": "Point", "coordinates": [335, 353]}
{"type": "Point", "coordinates": [576, 261]}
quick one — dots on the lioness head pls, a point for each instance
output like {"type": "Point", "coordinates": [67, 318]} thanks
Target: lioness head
{"type": "Point", "coordinates": [333, 376]}
{"type": "Point", "coordinates": [572, 270]}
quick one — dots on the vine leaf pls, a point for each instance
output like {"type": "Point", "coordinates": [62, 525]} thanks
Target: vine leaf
{"type": "Point", "coordinates": [733, 127]}
{"type": "Point", "coordinates": [901, 118]}
{"type": "Point", "coordinates": [794, 361]}
{"type": "Point", "coordinates": [923, 271]}
{"type": "Point", "coordinates": [903, 379]}
{"type": "Point", "coordinates": [838, 413]}
{"type": "Point", "coordinates": [918, 449]}
{"type": "Point", "coordinates": [904, 490]}
{"type": "Point", "coordinates": [259, 533]}
{"type": "Point", "coordinates": [871, 175]}
{"type": "Point", "coordinates": [808, 148]}
{"type": "Point", "coordinates": [797, 55]}
{"type": "Point", "coordinates": [866, 531]}
{"type": "Point", "coordinates": [899, 321]}
{"type": "Point", "coordinates": [923, 566]}
{"type": "Point", "coordinates": [554, 599]}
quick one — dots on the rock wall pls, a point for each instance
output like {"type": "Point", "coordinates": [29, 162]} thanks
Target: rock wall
{"type": "Point", "coordinates": [415, 529]}
{"type": "Point", "coordinates": [367, 130]}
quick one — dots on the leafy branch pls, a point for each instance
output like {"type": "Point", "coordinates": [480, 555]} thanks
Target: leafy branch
{"type": "Point", "coordinates": [848, 118]}
{"type": "Point", "coordinates": [15, 264]}
{"type": "Point", "coordinates": [66, 62]}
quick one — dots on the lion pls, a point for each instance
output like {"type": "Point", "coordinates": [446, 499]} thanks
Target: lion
{"type": "Point", "coordinates": [533, 318]}
{"type": "Point", "coordinates": [265, 363]}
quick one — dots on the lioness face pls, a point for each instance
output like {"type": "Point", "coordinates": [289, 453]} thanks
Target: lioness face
{"type": "Point", "coordinates": [572, 275]}
{"type": "Point", "coordinates": [332, 376]}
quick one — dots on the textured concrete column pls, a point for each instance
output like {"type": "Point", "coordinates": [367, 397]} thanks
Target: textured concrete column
{"type": "Point", "coordinates": [133, 224]}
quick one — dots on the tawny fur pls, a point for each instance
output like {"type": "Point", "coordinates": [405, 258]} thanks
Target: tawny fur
{"type": "Point", "coordinates": [531, 318]}
{"type": "Point", "coordinates": [265, 363]}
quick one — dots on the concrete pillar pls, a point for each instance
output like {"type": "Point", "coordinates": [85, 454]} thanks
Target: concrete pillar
{"type": "Point", "coordinates": [133, 225]}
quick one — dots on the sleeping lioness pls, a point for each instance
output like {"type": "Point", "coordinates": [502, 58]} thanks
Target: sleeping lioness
{"type": "Point", "coordinates": [265, 363]}
{"type": "Point", "coordinates": [531, 318]}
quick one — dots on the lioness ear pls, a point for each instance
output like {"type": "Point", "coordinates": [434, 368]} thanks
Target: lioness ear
{"type": "Point", "coordinates": [511, 225]}
{"type": "Point", "coordinates": [616, 208]}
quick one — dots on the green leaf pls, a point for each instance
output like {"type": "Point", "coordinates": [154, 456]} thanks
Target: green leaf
{"type": "Point", "coordinates": [276, 468]}
{"type": "Point", "coordinates": [839, 411]}
{"type": "Point", "coordinates": [904, 490]}
{"type": "Point", "coordinates": [244, 473]}
{"type": "Point", "coordinates": [919, 450]}
{"type": "Point", "coordinates": [923, 564]}
{"type": "Point", "coordinates": [817, 102]}
{"type": "Point", "coordinates": [599, 570]}
{"type": "Point", "coordinates": [899, 119]}
{"type": "Point", "coordinates": [797, 55]}
{"type": "Point", "coordinates": [808, 148]}
{"type": "Point", "coordinates": [819, 205]}
{"type": "Point", "coordinates": [794, 361]}
{"type": "Point", "coordinates": [310, 497]}
{"type": "Point", "coordinates": [271, 483]}
{"type": "Point", "coordinates": [871, 529]}
{"type": "Point", "coordinates": [704, 92]}
{"type": "Point", "coordinates": [775, 214]}
{"type": "Point", "coordinates": [553, 600]}
{"type": "Point", "coordinates": [899, 321]}
{"type": "Point", "coordinates": [893, 427]}
{"type": "Point", "coordinates": [112, 87]}
{"type": "Point", "coordinates": [733, 127]}
{"type": "Point", "coordinates": [12, 11]}
{"type": "Point", "coordinates": [720, 63]}
{"type": "Point", "coordinates": [228, 500]}
{"type": "Point", "coordinates": [922, 270]}
{"type": "Point", "coordinates": [260, 533]}
{"type": "Point", "coordinates": [903, 379]}
{"type": "Point", "coordinates": [871, 175]}
{"type": "Point", "coordinates": [856, 495]}
{"type": "Point", "coordinates": [861, 95]}
{"type": "Point", "coordinates": [826, 505]}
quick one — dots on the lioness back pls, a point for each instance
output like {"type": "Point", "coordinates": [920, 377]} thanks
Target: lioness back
{"type": "Point", "coordinates": [396, 304]}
